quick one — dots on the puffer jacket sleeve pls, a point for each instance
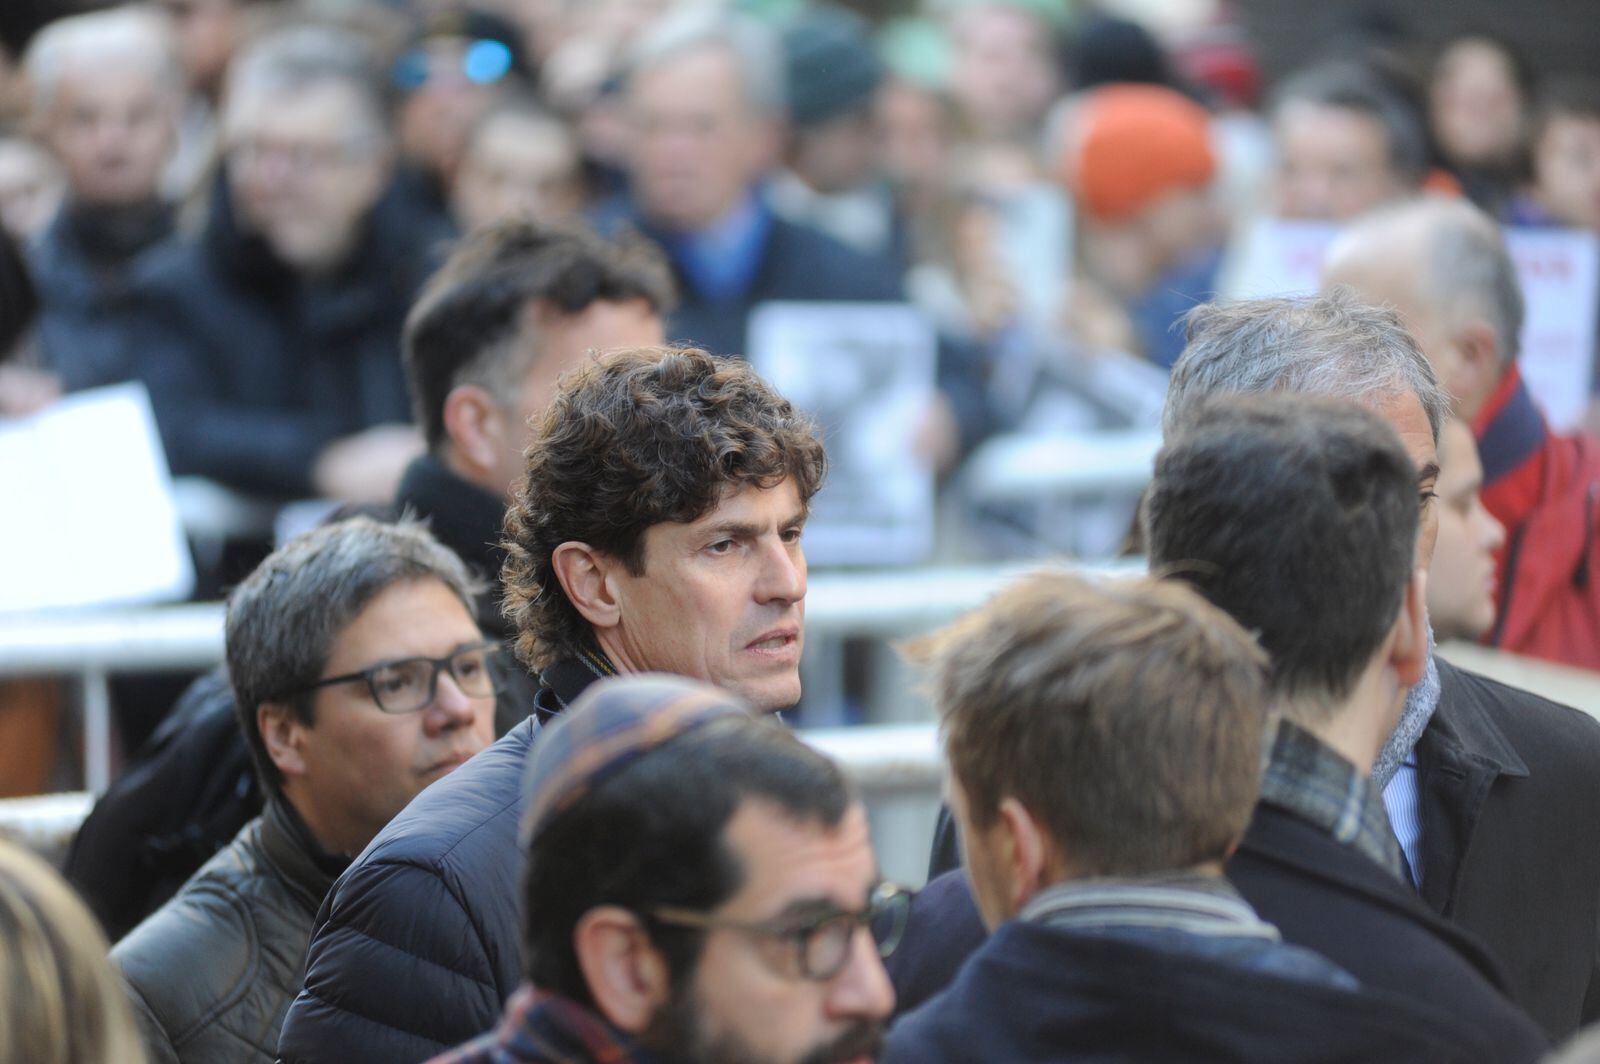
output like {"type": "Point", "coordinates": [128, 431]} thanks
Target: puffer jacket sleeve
{"type": "Point", "coordinates": [391, 983]}
{"type": "Point", "coordinates": [158, 1046]}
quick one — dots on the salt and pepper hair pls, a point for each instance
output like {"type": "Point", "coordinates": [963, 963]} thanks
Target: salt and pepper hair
{"type": "Point", "coordinates": [1466, 266]}
{"type": "Point", "coordinates": [755, 50]}
{"type": "Point", "coordinates": [285, 617]}
{"type": "Point", "coordinates": [94, 40]}
{"type": "Point", "coordinates": [1329, 344]}
{"type": "Point", "coordinates": [302, 55]}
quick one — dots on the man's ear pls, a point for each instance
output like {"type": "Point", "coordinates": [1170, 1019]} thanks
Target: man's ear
{"type": "Point", "coordinates": [1482, 359]}
{"type": "Point", "coordinates": [284, 735]}
{"type": "Point", "coordinates": [627, 976]}
{"type": "Point", "coordinates": [475, 424]}
{"type": "Point", "coordinates": [585, 575]}
{"type": "Point", "coordinates": [1028, 852]}
{"type": "Point", "coordinates": [1408, 651]}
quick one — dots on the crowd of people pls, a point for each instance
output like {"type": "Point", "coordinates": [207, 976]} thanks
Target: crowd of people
{"type": "Point", "coordinates": [496, 767]}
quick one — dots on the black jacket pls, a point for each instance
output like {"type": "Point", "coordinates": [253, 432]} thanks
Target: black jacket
{"type": "Point", "coordinates": [192, 787]}
{"type": "Point", "coordinates": [1330, 898]}
{"type": "Point", "coordinates": [418, 946]}
{"type": "Point", "coordinates": [253, 369]}
{"type": "Point", "coordinates": [1510, 798]}
{"type": "Point", "coordinates": [1035, 993]}
{"type": "Point", "coordinates": [212, 972]}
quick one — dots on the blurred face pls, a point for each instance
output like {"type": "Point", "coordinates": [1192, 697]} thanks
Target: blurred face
{"type": "Point", "coordinates": [1333, 163]}
{"type": "Point", "coordinates": [749, 1003]}
{"type": "Point", "coordinates": [452, 91]}
{"type": "Point", "coordinates": [1005, 69]}
{"type": "Point", "coordinates": [698, 145]}
{"type": "Point", "coordinates": [30, 188]}
{"type": "Point", "coordinates": [1566, 164]}
{"type": "Point", "coordinates": [1477, 106]}
{"type": "Point", "coordinates": [1461, 581]}
{"type": "Point", "coordinates": [913, 135]}
{"type": "Point", "coordinates": [517, 165]}
{"type": "Point", "coordinates": [305, 168]}
{"type": "Point", "coordinates": [837, 155]}
{"type": "Point", "coordinates": [113, 128]}
{"type": "Point", "coordinates": [563, 342]}
{"type": "Point", "coordinates": [205, 32]}
{"type": "Point", "coordinates": [721, 598]}
{"type": "Point", "coordinates": [363, 765]}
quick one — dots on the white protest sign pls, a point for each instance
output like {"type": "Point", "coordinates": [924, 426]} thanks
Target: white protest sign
{"type": "Point", "coordinates": [90, 519]}
{"type": "Point", "coordinates": [865, 372]}
{"type": "Point", "coordinates": [1558, 269]}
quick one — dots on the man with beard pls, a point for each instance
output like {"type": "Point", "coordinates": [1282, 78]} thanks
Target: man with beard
{"type": "Point", "coordinates": [730, 929]}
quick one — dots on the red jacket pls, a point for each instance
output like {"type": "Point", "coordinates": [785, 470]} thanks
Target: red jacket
{"type": "Point", "coordinates": [1545, 489]}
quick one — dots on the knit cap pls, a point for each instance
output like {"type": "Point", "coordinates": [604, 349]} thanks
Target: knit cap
{"type": "Point", "coordinates": [1131, 145]}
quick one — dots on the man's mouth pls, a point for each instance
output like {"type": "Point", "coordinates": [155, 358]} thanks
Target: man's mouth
{"type": "Point", "coordinates": [775, 640]}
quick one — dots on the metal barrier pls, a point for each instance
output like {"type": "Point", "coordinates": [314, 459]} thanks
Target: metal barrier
{"type": "Point", "coordinates": [885, 761]}
{"type": "Point", "coordinates": [92, 646]}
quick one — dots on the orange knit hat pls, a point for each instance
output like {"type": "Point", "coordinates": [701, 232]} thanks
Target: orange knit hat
{"type": "Point", "coordinates": [1133, 143]}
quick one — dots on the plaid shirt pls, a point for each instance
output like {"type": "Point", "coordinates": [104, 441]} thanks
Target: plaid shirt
{"type": "Point", "coordinates": [541, 1028]}
{"type": "Point", "coordinates": [1306, 778]}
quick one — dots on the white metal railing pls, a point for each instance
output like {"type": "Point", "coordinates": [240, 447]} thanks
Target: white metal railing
{"type": "Point", "coordinates": [894, 760]}
{"type": "Point", "coordinates": [91, 646]}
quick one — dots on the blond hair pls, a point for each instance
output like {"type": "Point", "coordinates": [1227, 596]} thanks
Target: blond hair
{"type": "Point", "coordinates": [60, 1000]}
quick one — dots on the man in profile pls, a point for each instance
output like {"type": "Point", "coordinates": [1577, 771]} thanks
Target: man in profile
{"type": "Point", "coordinates": [733, 927]}
{"type": "Point", "coordinates": [1298, 517]}
{"type": "Point", "coordinates": [657, 529]}
{"type": "Point", "coordinates": [1104, 745]}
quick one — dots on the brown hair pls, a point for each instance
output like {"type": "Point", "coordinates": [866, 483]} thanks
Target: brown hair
{"type": "Point", "coordinates": [60, 1001]}
{"type": "Point", "coordinates": [632, 439]}
{"type": "Point", "coordinates": [1127, 717]}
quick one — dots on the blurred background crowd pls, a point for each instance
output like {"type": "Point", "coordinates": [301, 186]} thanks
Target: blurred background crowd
{"type": "Point", "coordinates": [235, 203]}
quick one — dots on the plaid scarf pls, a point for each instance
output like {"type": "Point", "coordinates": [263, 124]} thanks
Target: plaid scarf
{"type": "Point", "coordinates": [541, 1028]}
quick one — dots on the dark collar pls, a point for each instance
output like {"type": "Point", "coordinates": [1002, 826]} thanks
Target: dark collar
{"type": "Point", "coordinates": [563, 681]}
{"type": "Point", "coordinates": [1307, 779]}
{"type": "Point", "coordinates": [1510, 429]}
{"type": "Point", "coordinates": [462, 515]}
{"type": "Point", "coordinates": [543, 1028]}
{"type": "Point", "coordinates": [288, 844]}
{"type": "Point", "coordinates": [1463, 724]}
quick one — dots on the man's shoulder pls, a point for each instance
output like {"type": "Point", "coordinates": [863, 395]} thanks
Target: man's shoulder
{"type": "Point", "coordinates": [1507, 724]}
{"type": "Point", "coordinates": [470, 811]}
{"type": "Point", "coordinates": [200, 947]}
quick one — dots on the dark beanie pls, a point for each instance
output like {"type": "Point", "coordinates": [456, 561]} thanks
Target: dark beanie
{"type": "Point", "coordinates": [832, 66]}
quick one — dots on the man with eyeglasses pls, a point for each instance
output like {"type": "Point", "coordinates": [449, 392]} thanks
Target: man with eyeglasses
{"type": "Point", "coordinates": [361, 678]}
{"type": "Point", "coordinates": [736, 928]}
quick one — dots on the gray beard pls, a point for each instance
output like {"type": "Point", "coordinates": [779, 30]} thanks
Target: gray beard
{"type": "Point", "coordinates": [1421, 701]}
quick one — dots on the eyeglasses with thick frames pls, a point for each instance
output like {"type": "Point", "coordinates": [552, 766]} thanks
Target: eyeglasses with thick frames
{"type": "Point", "coordinates": [410, 684]}
{"type": "Point", "coordinates": [820, 946]}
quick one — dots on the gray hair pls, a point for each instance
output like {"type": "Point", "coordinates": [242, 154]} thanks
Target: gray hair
{"type": "Point", "coordinates": [284, 618]}
{"type": "Point", "coordinates": [1330, 344]}
{"type": "Point", "coordinates": [1466, 268]}
{"type": "Point", "coordinates": [755, 50]}
{"type": "Point", "coordinates": [295, 57]}
{"type": "Point", "coordinates": [94, 40]}
{"type": "Point", "coordinates": [1346, 86]}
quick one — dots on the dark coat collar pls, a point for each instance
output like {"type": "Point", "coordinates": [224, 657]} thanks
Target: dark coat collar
{"type": "Point", "coordinates": [287, 844]}
{"type": "Point", "coordinates": [462, 515]}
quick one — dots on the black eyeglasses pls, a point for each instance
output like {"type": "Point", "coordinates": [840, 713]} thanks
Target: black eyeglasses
{"type": "Point", "coordinates": [410, 684]}
{"type": "Point", "coordinates": [820, 947]}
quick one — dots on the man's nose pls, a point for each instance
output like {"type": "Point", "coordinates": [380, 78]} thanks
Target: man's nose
{"type": "Point", "coordinates": [451, 707]}
{"type": "Point", "coordinates": [862, 990]}
{"type": "Point", "coordinates": [784, 574]}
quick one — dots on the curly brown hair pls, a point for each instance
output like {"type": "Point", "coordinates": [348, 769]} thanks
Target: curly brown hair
{"type": "Point", "coordinates": [634, 438]}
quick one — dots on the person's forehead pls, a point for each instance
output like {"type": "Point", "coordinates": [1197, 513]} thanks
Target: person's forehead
{"type": "Point", "coordinates": [328, 108]}
{"type": "Point", "coordinates": [1404, 411]}
{"type": "Point", "coordinates": [704, 74]}
{"type": "Point", "coordinates": [786, 859]}
{"type": "Point", "coordinates": [410, 618]}
{"type": "Point", "coordinates": [743, 502]}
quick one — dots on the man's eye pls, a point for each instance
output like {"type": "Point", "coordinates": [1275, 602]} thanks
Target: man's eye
{"type": "Point", "coordinates": [791, 535]}
{"type": "Point", "coordinates": [721, 546]}
{"type": "Point", "coordinates": [392, 681]}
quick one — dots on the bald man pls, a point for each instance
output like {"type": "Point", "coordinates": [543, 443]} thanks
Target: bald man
{"type": "Point", "coordinates": [1444, 266]}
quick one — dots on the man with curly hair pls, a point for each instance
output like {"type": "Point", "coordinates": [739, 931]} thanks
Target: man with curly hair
{"type": "Point", "coordinates": [657, 529]}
